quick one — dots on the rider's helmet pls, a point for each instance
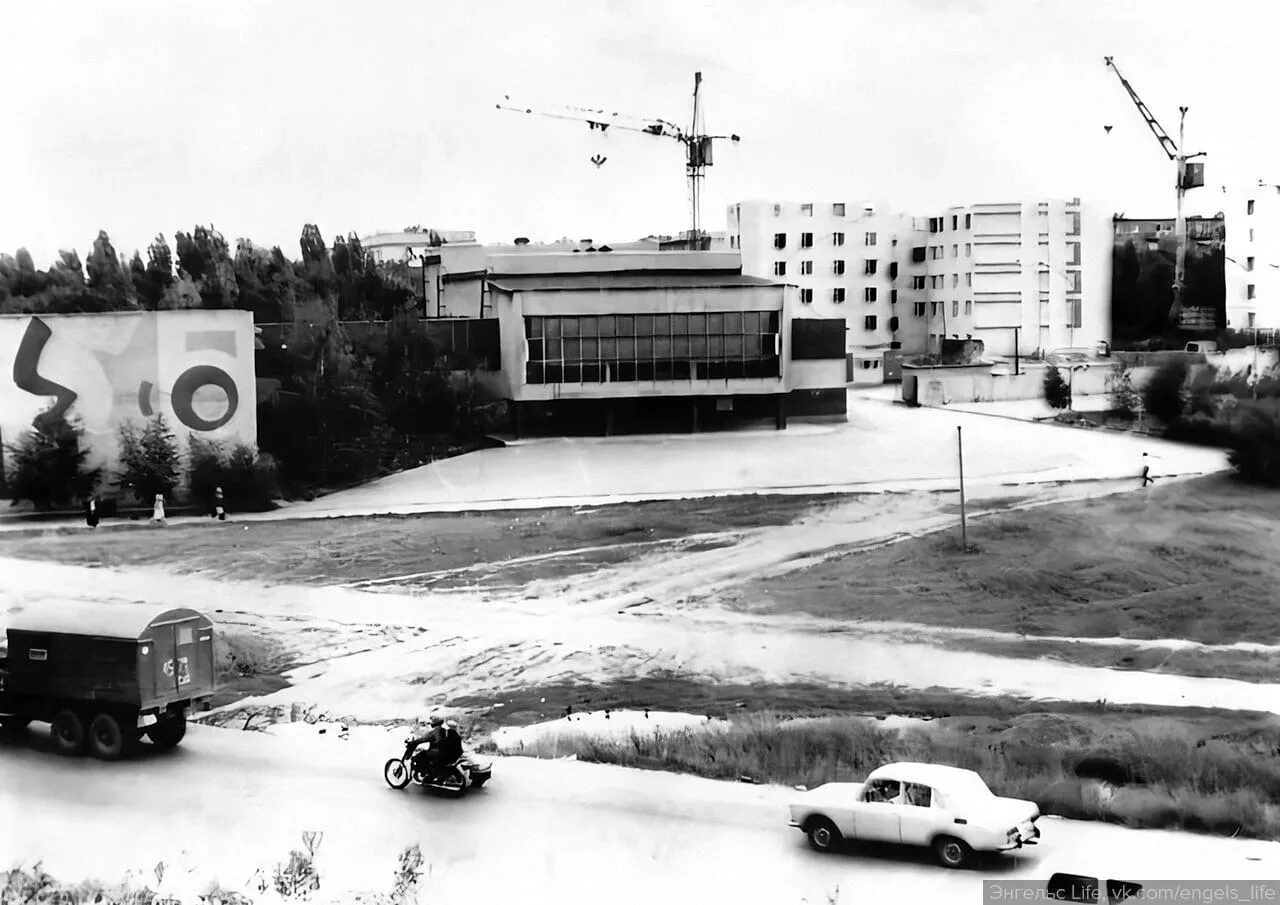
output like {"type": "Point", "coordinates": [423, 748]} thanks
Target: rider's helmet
{"type": "Point", "coordinates": [437, 720]}
{"type": "Point", "coordinates": [451, 724]}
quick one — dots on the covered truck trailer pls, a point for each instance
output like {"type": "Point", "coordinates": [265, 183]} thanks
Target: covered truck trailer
{"type": "Point", "coordinates": [105, 674]}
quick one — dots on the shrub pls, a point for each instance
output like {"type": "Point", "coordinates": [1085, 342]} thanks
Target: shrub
{"type": "Point", "coordinates": [247, 477]}
{"type": "Point", "coordinates": [1124, 398]}
{"type": "Point", "coordinates": [1200, 430]}
{"type": "Point", "coordinates": [1056, 391]}
{"type": "Point", "coordinates": [1164, 395]}
{"type": "Point", "coordinates": [149, 459]}
{"type": "Point", "coordinates": [1255, 448]}
{"type": "Point", "coordinates": [48, 465]}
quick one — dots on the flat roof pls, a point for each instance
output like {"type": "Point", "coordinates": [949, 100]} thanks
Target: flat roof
{"type": "Point", "coordinates": [627, 280]}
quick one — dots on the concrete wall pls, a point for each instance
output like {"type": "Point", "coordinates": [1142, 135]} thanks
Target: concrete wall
{"type": "Point", "coordinates": [942, 387]}
{"type": "Point", "coordinates": [194, 367]}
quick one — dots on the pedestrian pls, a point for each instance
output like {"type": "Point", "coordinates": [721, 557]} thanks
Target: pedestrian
{"type": "Point", "coordinates": [218, 509]}
{"type": "Point", "coordinates": [157, 509]}
{"type": "Point", "coordinates": [1146, 472]}
{"type": "Point", "coordinates": [91, 511]}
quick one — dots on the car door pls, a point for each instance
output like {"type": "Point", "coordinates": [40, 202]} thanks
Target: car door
{"type": "Point", "coordinates": [878, 815]}
{"type": "Point", "coordinates": [919, 817]}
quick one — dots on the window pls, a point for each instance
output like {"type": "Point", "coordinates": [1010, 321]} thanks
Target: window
{"type": "Point", "coordinates": [937, 282]}
{"type": "Point", "coordinates": [955, 308]}
{"type": "Point", "coordinates": [968, 306]}
{"type": "Point", "coordinates": [955, 280]}
{"type": "Point", "coordinates": [967, 220]}
{"type": "Point", "coordinates": [1248, 263]}
{"type": "Point", "coordinates": [837, 267]}
{"type": "Point", "coordinates": [1076, 313]}
{"type": "Point", "coordinates": [837, 295]}
{"type": "Point", "coordinates": [806, 210]}
{"type": "Point", "coordinates": [779, 268]}
{"type": "Point", "coordinates": [1249, 291]}
{"type": "Point", "coordinates": [968, 249]}
{"type": "Point", "coordinates": [1249, 208]}
{"type": "Point", "coordinates": [869, 294]}
{"type": "Point", "coordinates": [37, 653]}
{"type": "Point", "coordinates": [917, 796]}
{"type": "Point", "coordinates": [806, 268]}
{"type": "Point", "coordinates": [917, 282]}
{"type": "Point", "coordinates": [935, 308]}
{"type": "Point", "coordinates": [918, 309]}
{"type": "Point", "coordinates": [869, 239]}
{"type": "Point", "coordinates": [779, 240]}
{"type": "Point", "coordinates": [955, 251]}
{"type": "Point", "coordinates": [837, 210]}
{"type": "Point", "coordinates": [893, 296]}
{"type": "Point", "coordinates": [806, 296]}
{"type": "Point", "coordinates": [935, 252]}
{"type": "Point", "coordinates": [917, 255]}
{"type": "Point", "coordinates": [869, 322]}
{"type": "Point", "coordinates": [867, 364]}
{"type": "Point", "coordinates": [837, 238]}
{"type": "Point", "coordinates": [1073, 252]}
{"type": "Point", "coordinates": [935, 224]}
{"type": "Point", "coordinates": [733, 241]}
{"type": "Point", "coordinates": [869, 266]}
{"type": "Point", "coordinates": [806, 240]}
{"type": "Point", "coordinates": [777, 210]}
{"type": "Point", "coordinates": [882, 790]}
{"type": "Point", "coordinates": [1251, 234]}
{"type": "Point", "coordinates": [1252, 318]}
{"type": "Point", "coordinates": [968, 279]}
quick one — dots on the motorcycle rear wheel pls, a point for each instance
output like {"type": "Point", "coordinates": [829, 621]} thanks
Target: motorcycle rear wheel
{"type": "Point", "coordinates": [396, 773]}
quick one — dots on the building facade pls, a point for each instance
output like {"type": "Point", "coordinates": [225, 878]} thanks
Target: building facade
{"type": "Point", "coordinates": [1253, 257]}
{"type": "Point", "coordinates": [1031, 275]}
{"type": "Point", "coordinates": [655, 341]}
{"type": "Point", "coordinates": [446, 268]}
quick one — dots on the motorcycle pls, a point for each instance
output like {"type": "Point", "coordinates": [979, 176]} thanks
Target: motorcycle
{"type": "Point", "coordinates": [455, 778]}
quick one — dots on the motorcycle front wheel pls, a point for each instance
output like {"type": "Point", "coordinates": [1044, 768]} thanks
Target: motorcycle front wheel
{"type": "Point", "coordinates": [396, 773]}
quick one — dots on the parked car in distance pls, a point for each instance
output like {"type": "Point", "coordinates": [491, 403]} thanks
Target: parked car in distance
{"type": "Point", "coordinates": [948, 809]}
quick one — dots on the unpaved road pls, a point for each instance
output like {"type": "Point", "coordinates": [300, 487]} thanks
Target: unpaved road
{"type": "Point", "coordinates": [542, 831]}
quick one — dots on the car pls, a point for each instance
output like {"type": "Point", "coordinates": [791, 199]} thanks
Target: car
{"type": "Point", "coordinates": [948, 809]}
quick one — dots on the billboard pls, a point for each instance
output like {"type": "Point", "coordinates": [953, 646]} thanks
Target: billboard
{"type": "Point", "coordinates": [195, 367]}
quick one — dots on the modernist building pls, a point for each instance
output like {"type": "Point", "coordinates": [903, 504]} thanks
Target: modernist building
{"type": "Point", "coordinates": [1253, 258]}
{"type": "Point", "coordinates": [1028, 275]}
{"type": "Point", "coordinates": [655, 341]}
{"type": "Point", "coordinates": [446, 268]}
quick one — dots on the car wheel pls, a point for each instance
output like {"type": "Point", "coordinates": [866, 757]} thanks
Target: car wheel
{"type": "Point", "coordinates": [823, 835]}
{"type": "Point", "coordinates": [167, 733]}
{"type": "Point", "coordinates": [396, 773]}
{"type": "Point", "coordinates": [106, 739]}
{"type": "Point", "coordinates": [952, 852]}
{"type": "Point", "coordinates": [68, 733]}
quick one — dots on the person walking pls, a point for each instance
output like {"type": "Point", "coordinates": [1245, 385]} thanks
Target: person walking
{"type": "Point", "coordinates": [1146, 471]}
{"type": "Point", "coordinates": [218, 510]}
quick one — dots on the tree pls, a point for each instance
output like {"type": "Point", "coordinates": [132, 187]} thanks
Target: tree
{"type": "Point", "coordinates": [149, 459]}
{"type": "Point", "coordinates": [107, 279]}
{"type": "Point", "coordinates": [48, 465]}
{"type": "Point", "coordinates": [1255, 448]}
{"type": "Point", "coordinates": [1164, 395]}
{"type": "Point", "coordinates": [1056, 391]}
{"type": "Point", "coordinates": [1124, 398]}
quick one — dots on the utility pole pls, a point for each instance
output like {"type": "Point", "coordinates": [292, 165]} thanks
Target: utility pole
{"type": "Point", "coordinates": [964, 531]}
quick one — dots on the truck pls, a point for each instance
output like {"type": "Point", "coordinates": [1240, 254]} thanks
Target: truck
{"type": "Point", "coordinates": [105, 675]}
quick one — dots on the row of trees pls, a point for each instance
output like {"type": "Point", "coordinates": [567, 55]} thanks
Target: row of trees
{"type": "Point", "coordinates": [347, 404]}
{"type": "Point", "coordinates": [49, 467]}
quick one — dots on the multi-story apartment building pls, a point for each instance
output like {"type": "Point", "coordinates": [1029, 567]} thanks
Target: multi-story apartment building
{"type": "Point", "coordinates": [848, 260]}
{"type": "Point", "coordinates": [1035, 273]}
{"type": "Point", "coordinates": [1253, 258]}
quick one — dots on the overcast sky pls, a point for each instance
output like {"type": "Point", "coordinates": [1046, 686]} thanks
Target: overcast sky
{"type": "Point", "coordinates": [143, 117]}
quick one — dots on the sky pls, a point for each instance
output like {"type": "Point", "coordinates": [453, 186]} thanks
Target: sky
{"type": "Point", "coordinates": [149, 116]}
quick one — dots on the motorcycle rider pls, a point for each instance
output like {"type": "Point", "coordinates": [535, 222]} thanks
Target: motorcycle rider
{"type": "Point", "coordinates": [451, 747]}
{"type": "Point", "coordinates": [431, 757]}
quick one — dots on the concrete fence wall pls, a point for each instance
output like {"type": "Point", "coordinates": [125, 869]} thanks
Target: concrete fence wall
{"type": "Point", "coordinates": [943, 389]}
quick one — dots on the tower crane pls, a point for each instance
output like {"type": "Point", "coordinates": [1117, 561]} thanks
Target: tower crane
{"type": "Point", "coordinates": [697, 143]}
{"type": "Point", "coordinates": [1189, 177]}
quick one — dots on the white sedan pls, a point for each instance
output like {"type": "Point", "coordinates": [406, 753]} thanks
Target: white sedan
{"type": "Point", "coordinates": [946, 808]}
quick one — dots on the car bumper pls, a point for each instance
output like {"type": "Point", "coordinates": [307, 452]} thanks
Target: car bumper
{"type": "Point", "coordinates": [1021, 839]}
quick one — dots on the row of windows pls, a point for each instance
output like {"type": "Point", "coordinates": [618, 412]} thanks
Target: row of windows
{"type": "Point", "coordinates": [869, 294]}
{"type": "Point", "coordinates": [806, 239]}
{"type": "Point", "coordinates": [938, 224]}
{"type": "Point", "coordinates": [651, 325]}
{"type": "Point", "coordinates": [938, 252]}
{"type": "Point", "coordinates": [538, 372]}
{"type": "Point", "coordinates": [837, 209]}
{"type": "Point", "coordinates": [870, 267]}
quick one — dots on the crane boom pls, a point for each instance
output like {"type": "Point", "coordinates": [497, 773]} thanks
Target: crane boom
{"type": "Point", "coordinates": [1163, 137]}
{"type": "Point", "coordinates": [697, 145]}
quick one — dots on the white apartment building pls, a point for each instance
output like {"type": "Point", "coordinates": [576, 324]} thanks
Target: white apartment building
{"type": "Point", "coordinates": [1253, 257]}
{"type": "Point", "coordinates": [447, 268]}
{"type": "Point", "coordinates": [1034, 272]}
{"type": "Point", "coordinates": [847, 260]}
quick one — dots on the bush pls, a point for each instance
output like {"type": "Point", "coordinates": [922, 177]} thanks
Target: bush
{"type": "Point", "coordinates": [1124, 398]}
{"type": "Point", "coordinates": [1200, 430]}
{"type": "Point", "coordinates": [48, 465]}
{"type": "Point", "coordinates": [247, 477]}
{"type": "Point", "coordinates": [149, 460]}
{"type": "Point", "coordinates": [1255, 448]}
{"type": "Point", "coordinates": [1056, 391]}
{"type": "Point", "coordinates": [1164, 394]}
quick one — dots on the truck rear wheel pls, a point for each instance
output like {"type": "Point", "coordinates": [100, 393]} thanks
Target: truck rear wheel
{"type": "Point", "coordinates": [168, 733]}
{"type": "Point", "coordinates": [68, 733]}
{"type": "Point", "coordinates": [106, 738]}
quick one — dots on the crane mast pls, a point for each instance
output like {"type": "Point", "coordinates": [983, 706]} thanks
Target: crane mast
{"type": "Point", "coordinates": [698, 145]}
{"type": "Point", "coordinates": [1176, 154]}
